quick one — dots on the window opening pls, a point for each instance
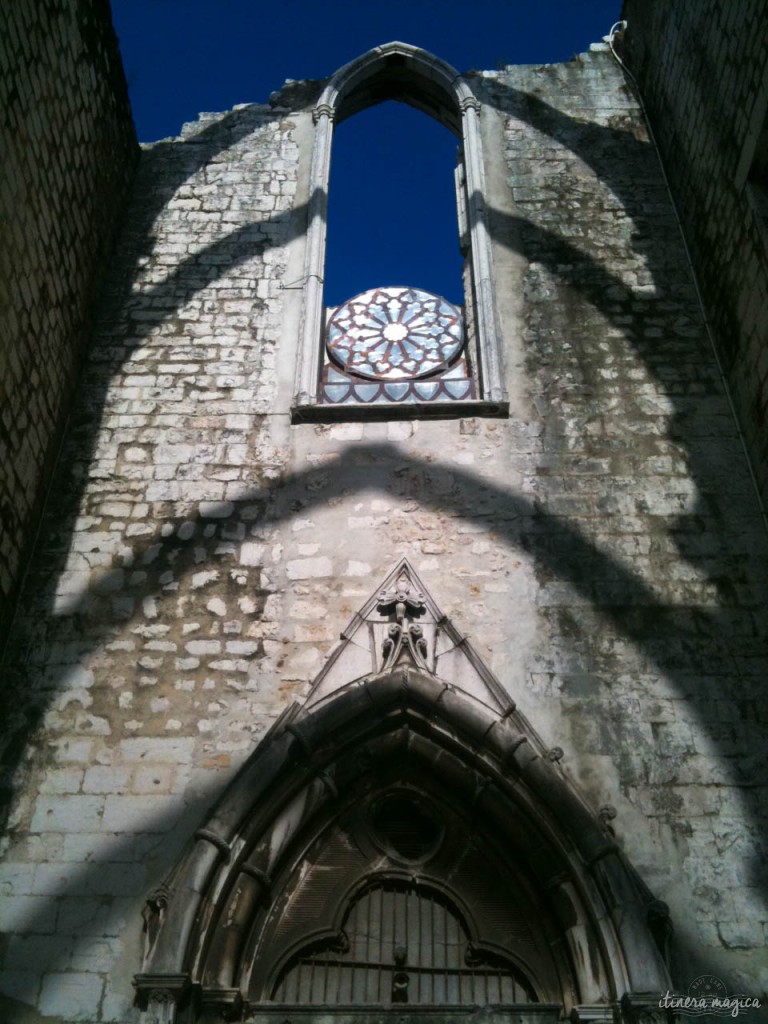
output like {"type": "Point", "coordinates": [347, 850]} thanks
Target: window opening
{"type": "Point", "coordinates": [393, 218]}
{"type": "Point", "coordinates": [469, 379]}
{"type": "Point", "coordinates": [392, 205]}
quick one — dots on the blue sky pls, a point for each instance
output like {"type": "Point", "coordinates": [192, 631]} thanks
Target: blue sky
{"type": "Point", "coordinates": [392, 172]}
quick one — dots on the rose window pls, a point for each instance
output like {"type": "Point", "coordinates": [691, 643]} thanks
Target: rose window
{"type": "Point", "coordinates": [395, 334]}
{"type": "Point", "coordinates": [396, 345]}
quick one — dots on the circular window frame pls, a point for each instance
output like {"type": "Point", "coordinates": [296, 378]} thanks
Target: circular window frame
{"type": "Point", "coordinates": [385, 845]}
{"type": "Point", "coordinates": [422, 329]}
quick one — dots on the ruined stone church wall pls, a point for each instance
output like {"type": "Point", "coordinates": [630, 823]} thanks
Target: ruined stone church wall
{"type": "Point", "coordinates": [69, 149]}
{"type": "Point", "coordinates": [201, 554]}
{"type": "Point", "coordinates": [702, 69]}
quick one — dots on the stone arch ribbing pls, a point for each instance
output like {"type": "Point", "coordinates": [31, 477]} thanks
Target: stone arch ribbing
{"type": "Point", "coordinates": [402, 72]}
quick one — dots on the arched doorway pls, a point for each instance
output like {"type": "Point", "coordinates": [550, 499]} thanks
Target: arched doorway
{"type": "Point", "coordinates": [400, 848]}
{"type": "Point", "coordinates": [404, 899]}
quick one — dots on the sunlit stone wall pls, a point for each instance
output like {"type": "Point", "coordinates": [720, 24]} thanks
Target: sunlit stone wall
{"type": "Point", "coordinates": [201, 555]}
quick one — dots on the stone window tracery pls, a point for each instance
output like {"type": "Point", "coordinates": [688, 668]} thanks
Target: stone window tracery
{"type": "Point", "coordinates": [427, 357]}
{"type": "Point", "coordinates": [396, 344]}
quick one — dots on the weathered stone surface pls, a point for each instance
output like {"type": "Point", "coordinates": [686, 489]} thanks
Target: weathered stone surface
{"type": "Point", "coordinates": [69, 150]}
{"type": "Point", "coordinates": [708, 149]}
{"type": "Point", "coordinates": [201, 556]}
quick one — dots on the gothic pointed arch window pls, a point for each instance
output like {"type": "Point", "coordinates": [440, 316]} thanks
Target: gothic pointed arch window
{"type": "Point", "coordinates": [396, 350]}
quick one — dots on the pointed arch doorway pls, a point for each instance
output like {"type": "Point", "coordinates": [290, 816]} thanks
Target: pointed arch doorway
{"type": "Point", "coordinates": [402, 848]}
{"type": "Point", "coordinates": [403, 900]}
{"type": "Point", "coordinates": [399, 853]}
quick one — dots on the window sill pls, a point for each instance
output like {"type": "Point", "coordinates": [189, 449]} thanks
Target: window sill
{"type": "Point", "coordinates": [376, 412]}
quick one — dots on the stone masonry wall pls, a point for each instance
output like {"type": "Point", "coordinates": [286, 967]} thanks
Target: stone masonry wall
{"type": "Point", "coordinates": [702, 69]}
{"type": "Point", "coordinates": [69, 150]}
{"type": "Point", "coordinates": [202, 554]}
{"type": "Point", "coordinates": [655, 648]}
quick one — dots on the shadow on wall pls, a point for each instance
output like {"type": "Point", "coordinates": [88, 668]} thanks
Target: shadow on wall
{"type": "Point", "coordinates": [89, 899]}
{"type": "Point", "coordinates": [93, 919]}
{"type": "Point", "coordinates": [688, 644]}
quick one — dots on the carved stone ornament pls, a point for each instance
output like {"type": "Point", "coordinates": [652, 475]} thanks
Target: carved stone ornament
{"type": "Point", "coordinates": [605, 815]}
{"type": "Point", "coordinates": [404, 636]}
{"type": "Point", "coordinates": [395, 334]}
{"type": "Point", "coordinates": [401, 624]}
{"type": "Point", "coordinates": [154, 908]}
{"type": "Point", "coordinates": [323, 110]}
{"type": "Point", "coordinates": [158, 898]}
{"type": "Point", "coordinates": [160, 995]}
{"type": "Point", "coordinates": [161, 1008]}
